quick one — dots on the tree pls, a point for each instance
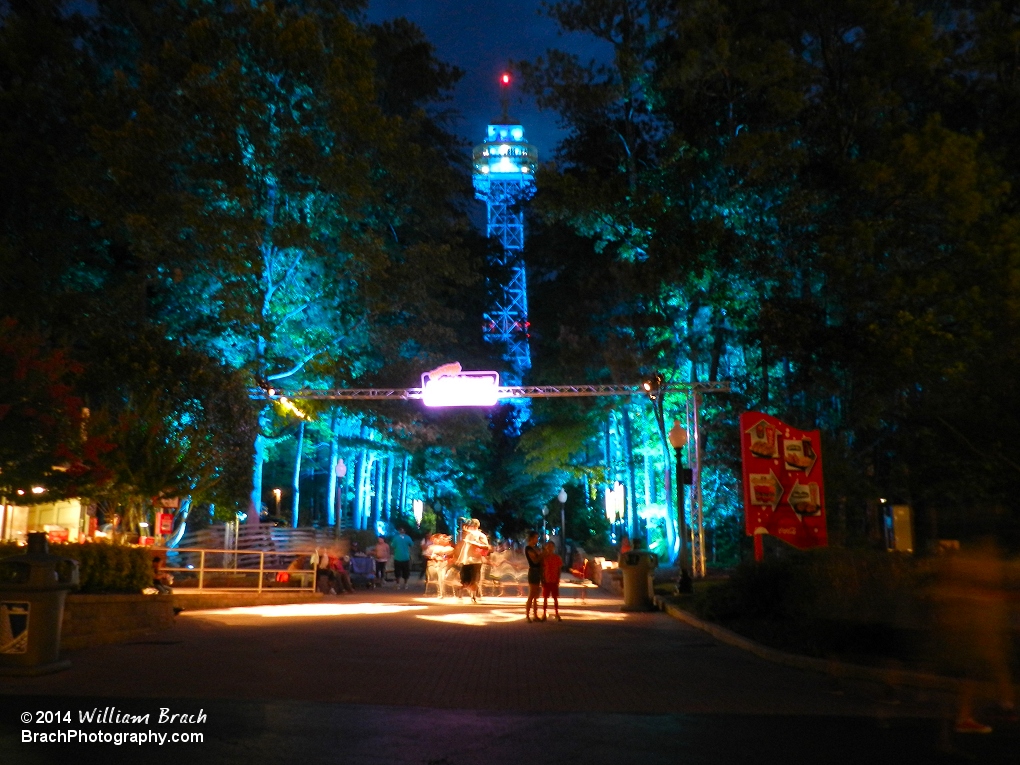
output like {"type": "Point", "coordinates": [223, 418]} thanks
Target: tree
{"type": "Point", "coordinates": [47, 442]}
{"type": "Point", "coordinates": [820, 222]}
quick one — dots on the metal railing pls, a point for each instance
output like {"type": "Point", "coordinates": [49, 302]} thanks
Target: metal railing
{"type": "Point", "coordinates": [194, 564]}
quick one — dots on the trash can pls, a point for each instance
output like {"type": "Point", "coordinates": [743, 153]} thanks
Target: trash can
{"type": "Point", "coordinates": [637, 567]}
{"type": "Point", "coordinates": [32, 591]}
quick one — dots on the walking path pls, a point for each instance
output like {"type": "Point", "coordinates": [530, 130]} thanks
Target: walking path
{"type": "Point", "coordinates": [394, 677]}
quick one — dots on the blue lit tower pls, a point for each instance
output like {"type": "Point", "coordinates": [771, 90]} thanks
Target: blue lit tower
{"type": "Point", "coordinates": [504, 175]}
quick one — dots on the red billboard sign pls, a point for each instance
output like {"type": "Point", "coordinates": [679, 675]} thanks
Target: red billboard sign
{"type": "Point", "coordinates": [165, 523]}
{"type": "Point", "coordinates": [783, 490]}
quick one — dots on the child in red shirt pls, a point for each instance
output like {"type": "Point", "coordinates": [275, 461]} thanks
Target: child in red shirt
{"type": "Point", "coordinates": [551, 565]}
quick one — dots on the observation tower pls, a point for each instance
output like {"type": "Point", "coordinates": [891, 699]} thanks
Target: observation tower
{"type": "Point", "coordinates": [504, 176]}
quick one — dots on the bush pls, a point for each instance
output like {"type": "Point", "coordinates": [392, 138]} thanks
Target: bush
{"type": "Point", "coordinates": [102, 567]}
{"type": "Point", "coordinates": [853, 585]}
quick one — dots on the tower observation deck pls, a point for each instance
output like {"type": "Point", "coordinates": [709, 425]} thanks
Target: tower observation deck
{"type": "Point", "coordinates": [504, 176]}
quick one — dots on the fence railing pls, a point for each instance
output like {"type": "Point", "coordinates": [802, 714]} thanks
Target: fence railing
{"type": "Point", "coordinates": [197, 569]}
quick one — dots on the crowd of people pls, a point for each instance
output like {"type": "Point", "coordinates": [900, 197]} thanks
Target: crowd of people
{"type": "Point", "coordinates": [451, 566]}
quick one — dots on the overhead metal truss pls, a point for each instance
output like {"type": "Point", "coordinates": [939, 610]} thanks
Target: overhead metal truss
{"type": "Point", "coordinates": [693, 391]}
{"type": "Point", "coordinates": [505, 392]}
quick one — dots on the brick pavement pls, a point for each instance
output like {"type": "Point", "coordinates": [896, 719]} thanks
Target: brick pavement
{"type": "Point", "coordinates": [452, 654]}
{"type": "Point", "coordinates": [391, 677]}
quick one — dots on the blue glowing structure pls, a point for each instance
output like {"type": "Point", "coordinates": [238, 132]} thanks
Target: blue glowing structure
{"type": "Point", "coordinates": [504, 176]}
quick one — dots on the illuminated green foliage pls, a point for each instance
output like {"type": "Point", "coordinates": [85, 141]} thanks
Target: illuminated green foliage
{"type": "Point", "coordinates": [819, 215]}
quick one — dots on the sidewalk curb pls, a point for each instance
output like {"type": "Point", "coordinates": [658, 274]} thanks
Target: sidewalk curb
{"type": "Point", "coordinates": [838, 669]}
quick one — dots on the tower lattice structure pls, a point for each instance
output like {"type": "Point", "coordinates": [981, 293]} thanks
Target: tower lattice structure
{"type": "Point", "coordinates": [504, 177]}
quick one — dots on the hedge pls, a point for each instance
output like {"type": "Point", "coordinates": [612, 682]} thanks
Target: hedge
{"type": "Point", "coordinates": [102, 567]}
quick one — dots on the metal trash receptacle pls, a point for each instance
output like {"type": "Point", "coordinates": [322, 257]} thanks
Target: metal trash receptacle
{"type": "Point", "coordinates": [33, 587]}
{"type": "Point", "coordinates": [637, 567]}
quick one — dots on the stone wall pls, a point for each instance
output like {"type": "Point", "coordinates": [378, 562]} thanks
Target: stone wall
{"type": "Point", "coordinates": [196, 601]}
{"type": "Point", "coordinates": [97, 619]}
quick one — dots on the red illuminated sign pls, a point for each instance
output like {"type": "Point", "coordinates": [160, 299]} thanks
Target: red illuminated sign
{"type": "Point", "coordinates": [783, 490]}
{"type": "Point", "coordinates": [164, 523]}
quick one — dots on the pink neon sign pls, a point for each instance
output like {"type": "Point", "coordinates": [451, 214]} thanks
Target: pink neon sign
{"type": "Point", "coordinates": [462, 389]}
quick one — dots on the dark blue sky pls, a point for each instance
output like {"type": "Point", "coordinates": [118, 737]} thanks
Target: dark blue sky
{"type": "Point", "coordinates": [480, 36]}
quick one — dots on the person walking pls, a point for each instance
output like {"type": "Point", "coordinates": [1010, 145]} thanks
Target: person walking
{"type": "Point", "coordinates": [381, 553]}
{"type": "Point", "coordinates": [436, 556]}
{"type": "Point", "coordinates": [534, 556]}
{"type": "Point", "coordinates": [552, 564]}
{"type": "Point", "coordinates": [473, 546]}
{"type": "Point", "coordinates": [401, 548]}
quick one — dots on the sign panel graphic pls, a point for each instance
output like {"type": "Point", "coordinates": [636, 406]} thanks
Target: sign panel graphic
{"type": "Point", "coordinates": [13, 627]}
{"type": "Point", "coordinates": [784, 494]}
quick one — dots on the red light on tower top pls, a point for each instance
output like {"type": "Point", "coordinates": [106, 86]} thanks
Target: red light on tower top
{"type": "Point", "coordinates": [504, 95]}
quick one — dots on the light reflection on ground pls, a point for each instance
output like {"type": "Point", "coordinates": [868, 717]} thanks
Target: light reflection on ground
{"type": "Point", "coordinates": [475, 618]}
{"type": "Point", "coordinates": [566, 601]}
{"type": "Point", "coordinates": [314, 609]}
{"type": "Point", "coordinates": [499, 616]}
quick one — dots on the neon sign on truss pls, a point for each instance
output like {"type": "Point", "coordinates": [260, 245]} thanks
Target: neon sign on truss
{"type": "Point", "coordinates": [460, 389]}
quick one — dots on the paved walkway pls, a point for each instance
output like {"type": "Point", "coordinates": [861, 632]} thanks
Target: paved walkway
{"type": "Point", "coordinates": [393, 677]}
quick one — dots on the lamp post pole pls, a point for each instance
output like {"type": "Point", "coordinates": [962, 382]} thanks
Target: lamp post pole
{"type": "Point", "coordinates": [678, 439]}
{"type": "Point", "coordinates": [545, 533]}
{"type": "Point", "coordinates": [562, 497]}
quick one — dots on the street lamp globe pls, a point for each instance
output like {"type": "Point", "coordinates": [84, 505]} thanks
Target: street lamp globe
{"type": "Point", "coordinates": [677, 435]}
{"type": "Point", "coordinates": [562, 496]}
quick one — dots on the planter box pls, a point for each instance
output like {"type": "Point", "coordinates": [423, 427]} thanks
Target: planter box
{"type": "Point", "coordinates": [97, 619]}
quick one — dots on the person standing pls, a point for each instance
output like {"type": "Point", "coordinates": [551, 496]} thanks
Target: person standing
{"type": "Point", "coordinates": [551, 566]}
{"type": "Point", "coordinates": [534, 556]}
{"type": "Point", "coordinates": [381, 553]}
{"type": "Point", "coordinates": [401, 557]}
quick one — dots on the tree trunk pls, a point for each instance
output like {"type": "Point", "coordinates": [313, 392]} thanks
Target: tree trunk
{"type": "Point", "coordinates": [628, 452]}
{"type": "Point", "coordinates": [297, 475]}
{"type": "Point", "coordinates": [671, 519]}
{"type": "Point", "coordinates": [403, 483]}
{"type": "Point", "coordinates": [334, 456]}
{"type": "Point", "coordinates": [360, 494]}
{"type": "Point", "coordinates": [718, 345]}
{"type": "Point", "coordinates": [377, 483]}
{"type": "Point", "coordinates": [258, 460]}
{"type": "Point", "coordinates": [388, 504]}
{"type": "Point", "coordinates": [649, 497]}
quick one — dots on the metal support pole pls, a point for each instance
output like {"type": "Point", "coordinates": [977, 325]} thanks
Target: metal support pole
{"type": "Point", "coordinates": [563, 530]}
{"type": "Point", "coordinates": [683, 583]}
{"type": "Point", "coordinates": [201, 569]}
{"type": "Point", "coordinates": [697, 514]}
{"type": "Point", "coordinates": [262, 566]}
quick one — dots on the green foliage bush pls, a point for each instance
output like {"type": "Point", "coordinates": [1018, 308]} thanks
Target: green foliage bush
{"type": "Point", "coordinates": [102, 567]}
{"type": "Point", "coordinates": [837, 584]}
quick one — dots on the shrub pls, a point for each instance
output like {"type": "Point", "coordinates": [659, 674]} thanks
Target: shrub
{"type": "Point", "coordinates": [855, 585]}
{"type": "Point", "coordinates": [102, 567]}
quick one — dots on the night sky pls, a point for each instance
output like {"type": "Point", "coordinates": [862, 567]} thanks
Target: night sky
{"type": "Point", "coordinates": [480, 36]}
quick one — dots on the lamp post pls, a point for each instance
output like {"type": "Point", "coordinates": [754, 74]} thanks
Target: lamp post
{"type": "Point", "coordinates": [678, 440]}
{"type": "Point", "coordinates": [545, 513]}
{"type": "Point", "coordinates": [562, 497]}
{"type": "Point", "coordinates": [277, 493]}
